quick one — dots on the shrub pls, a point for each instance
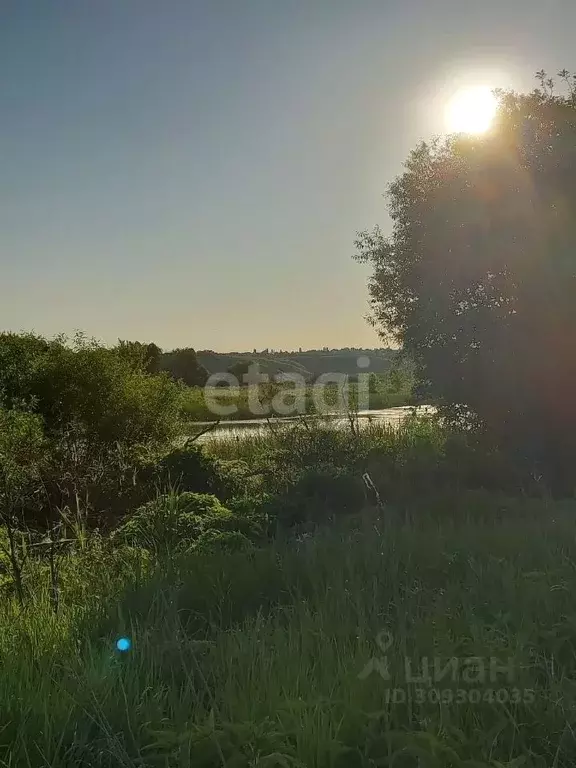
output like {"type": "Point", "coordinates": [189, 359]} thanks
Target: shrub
{"type": "Point", "coordinates": [212, 541]}
{"type": "Point", "coordinates": [24, 458]}
{"type": "Point", "coordinates": [20, 355]}
{"type": "Point", "coordinates": [96, 396]}
{"type": "Point", "coordinates": [173, 523]}
{"type": "Point", "coordinates": [317, 495]}
{"type": "Point", "coordinates": [191, 468]}
{"type": "Point", "coordinates": [83, 391]}
{"type": "Point", "coordinates": [293, 451]}
{"type": "Point", "coordinates": [100, 413]}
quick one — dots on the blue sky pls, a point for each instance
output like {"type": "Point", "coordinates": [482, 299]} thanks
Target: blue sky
{"type": "Point", "coordinates": [194, 173]}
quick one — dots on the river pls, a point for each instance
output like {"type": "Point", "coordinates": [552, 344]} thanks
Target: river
{"type": "Point", "coordinates": [389, 416]}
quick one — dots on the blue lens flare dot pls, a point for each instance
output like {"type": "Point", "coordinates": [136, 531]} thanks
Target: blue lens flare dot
{"type": "Point", "coordinates": [123, 644]}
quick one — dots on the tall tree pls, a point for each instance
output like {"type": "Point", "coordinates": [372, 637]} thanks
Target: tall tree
{"type": "Point", "coordinates": [145, 357]}
{"type": "Point", "coordinates": [183, 365]}
{"type": "Point", "coordinates": [478, 278]}
{"type": "Point", "coordinates": [240, 369]}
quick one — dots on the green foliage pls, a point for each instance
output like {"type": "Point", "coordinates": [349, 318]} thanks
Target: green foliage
{"type": "Point", "coordinates": [476, 280]}
{"type": "Point", "coordinates": [175, 523]}
{"type": "Point", "coordinates": [20, 355]}
{"type": "Point", "coordinates": [240, 368]}
{"type": "Point", "coordinates": [23, 450]}
{"type": "Point", "coordinates": [171, 522]}
{"type": "Point", "coordinates": [183, 365]}
{"type": "Point", "coordinates": [385, 392]}
{"type": "Point", "coordinates": [318, 495]}
{"type": "Point", "coordinates": [420, 456]}
{"type": "Point", "coordinates": [144, 357]}
{"type": "Point", "coordinates": [212, 540]}
{"type": "Point", "coordinates": [96, 411]}
{"type": "Point", "coordinates": [191, 468]}
{"type": "Point", "coordinates": [315, 443]}
{"type": "Point", "coordinates": [97, 395]}
{"type": "Point", "coordinates": [254, 657]}
{"type": "Point", "coordinates": [23, 461]}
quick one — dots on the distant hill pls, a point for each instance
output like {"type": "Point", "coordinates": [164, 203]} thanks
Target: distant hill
{"type": "Point", "coordinates": [309, 363]}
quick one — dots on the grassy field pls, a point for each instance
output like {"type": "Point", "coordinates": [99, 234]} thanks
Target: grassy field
{"type": "Point", "coordinates": [308, 596]}
{"type": "Point", "coordinates": [259, 658]}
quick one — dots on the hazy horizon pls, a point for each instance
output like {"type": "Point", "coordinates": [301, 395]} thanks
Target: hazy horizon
{"type": "Point", "coordinates": [194, 173]}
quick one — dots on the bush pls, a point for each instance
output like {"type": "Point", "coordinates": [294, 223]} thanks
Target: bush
{"type": "Point", "coordinates": [318, 495]}
{"type": "Point", "coordinates": [174, 523]}
{"type": "Point", "coordinates": [191, 468]}
{"type": "Point", "coordinates": [82, 390]}
{"type": "Point", "coordinates": [212, 541]}
{"type": "Point", "coordinates": [98, 397]}
{"type": "Point", "coordinates": [99, 411]}
{"type": "Point", "coordinates": [24, 458]}
{"type": "Point", "coordinates": [293, 451]}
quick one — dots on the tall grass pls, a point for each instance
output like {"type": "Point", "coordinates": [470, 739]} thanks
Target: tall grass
{"type": "Point", "coordinates": [418, 458]}
{"type": "Point", "coordinates": [255, 659]}
{"type": "Point", "coordinates": [247, 444]}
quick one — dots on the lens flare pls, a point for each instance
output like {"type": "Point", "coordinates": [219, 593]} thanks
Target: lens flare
{"type": "Point", "coordinates": [123, 644]}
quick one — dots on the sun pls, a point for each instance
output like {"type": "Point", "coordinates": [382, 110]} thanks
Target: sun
{"type": "Point", "coordinates": [471, 110]}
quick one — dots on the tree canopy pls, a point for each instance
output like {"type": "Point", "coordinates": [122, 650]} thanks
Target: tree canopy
{"type": "Point", "coordinates": [477, 279]}
{"type": "Point", "coordinates": [105, 396]}
{"type": "Point", "coordinates": [240, 369]}
{"type": "Point", "coordinates": [183, 365]}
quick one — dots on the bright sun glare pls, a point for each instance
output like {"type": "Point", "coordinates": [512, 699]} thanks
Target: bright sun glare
{"type": "Point", "coordinates": [471, 110]}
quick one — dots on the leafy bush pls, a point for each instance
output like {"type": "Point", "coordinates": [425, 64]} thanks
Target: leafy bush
{"type": "Point", "coordinates": [99, 411]}
{"type": "Point", "coordinates": [191, 468]}
{"type": "Point", "coordinates": [212, 541]}
{"type": "Point", "coordinates": [289, 453]}
{"type": "Point", "coordinates": [86, 392]}
{"type": "Point", "coordinates": [24, 460]}
{"type": "Point", "coordinates": [174, 523]}
{"type": "Point", "coordinates": [23, 449]}
{"type": "Point", "coordinates": [318, 494]}
{"type": "Point", "coordinates": [20, 355]}
{"type": "Point", "coordinates": [96, 396]}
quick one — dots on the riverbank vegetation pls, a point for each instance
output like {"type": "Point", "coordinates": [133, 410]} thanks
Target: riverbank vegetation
{"type": "Point", "coordinates": [317, 595]}
{"type": "Point", "coordinates": [281, 399]}
{"type": "Point", "coordinates": [253, 578]}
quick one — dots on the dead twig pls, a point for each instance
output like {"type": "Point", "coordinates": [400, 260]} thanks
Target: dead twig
{"type": "Point", "coordinates": [192, 439]}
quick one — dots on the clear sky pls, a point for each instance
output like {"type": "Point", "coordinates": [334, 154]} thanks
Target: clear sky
{"type": "Point", "coordinates": [194, 173]}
